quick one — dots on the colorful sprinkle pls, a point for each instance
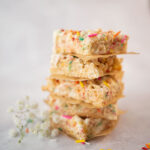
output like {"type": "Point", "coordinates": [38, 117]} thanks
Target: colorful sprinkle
{"type": "Point", "coordinates": [56, 107]}
{"type": "Point", "coordinates": [81, 83]}
{"type": "Point", "coordinates": [27, 130]}
{"type": "Point", "coordinates": [103, 35]}
{"type": "Point", "coordinates": [80, 141]}
{"type": "Point", "coordinates": [77, 82]}
{"type": "Point", "coordinates": [148, 145]}
{"type": "Point", "coordinates": [74, 124]}
{"type": "Point", "coordinates": [117, 34]}
{"type": "Point", "coordinates": [124, 38]}
{"type": "Point", "coordinates": [92, 35]}
{"type": "Point", "coordinates": [70, 64]}
{"type": "Point", "coordinates": [106, 84]}
{"type": "Point", "coordinates": [78, 33]}
{"type": "Point", "coordinates": [99, 124]}
{"type": "Point", "coordinates": [106, 39]}
{"type": "Point", "coordinates": [81, 38]}
{"type": "Point", "coordinates": [111, 50]}
{"type": "Point", "coordinates": [67, 117]}
{"type": "Point", "coordinates": [60, 129]}
{"type": "Point", "coordinates": [98, 110]}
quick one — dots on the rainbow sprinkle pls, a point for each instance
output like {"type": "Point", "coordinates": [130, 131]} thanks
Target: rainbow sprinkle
{"type": "Point", "coordinates": [148, 145]}
{"type": "Point", "coordinates": [105, 83]}
{"type": "Point", "coordinates": [70, 65]}
{"type": "Point", "coordinates": [81, 83]}
{"type": "Point", "coordinates": [99, 110]}
{"type": "Point", "coordinates": [92, 35]}
{"type": "Point", "coordinates": [78, 33]}
{"type": "Point", "coordinates": [81, 38]}
{"type": "Point", "coordinates": [56, 107]}
{"type": "Point", "coordinates": [60, 129]}
{"type": "Point", "coordinates": [117, 34]}
{"type": "Point", "coordinates": [124, 38]}
{"type": "Point", "coordinates": [67, 117]}
{"type": "Point", "coordinates": [80, 141]}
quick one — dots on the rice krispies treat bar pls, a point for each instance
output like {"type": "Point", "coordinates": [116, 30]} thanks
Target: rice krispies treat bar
{"type": "Point", "coordinates": [71, 108]}
{"type": "Point", "coordinates": [98, 92]}
{"type": "Point", "coordinates": [92, 42]}
{"type": "Point", "coordinates": [73, 66]}
{"type": "Point", "coordinates": [82, 129]}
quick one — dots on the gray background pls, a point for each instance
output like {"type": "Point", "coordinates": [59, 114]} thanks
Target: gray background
{"type": "Point", "coordinates": [26, 28]}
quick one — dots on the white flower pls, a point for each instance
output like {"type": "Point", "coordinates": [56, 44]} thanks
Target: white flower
{"type": "Point", "coordinates": [16, 121]}
{"type": "Point", "coordinates": [45, 114]}
{"type": "Point", "coordinates": [34, 106]}
{"type": "Point", "coordinates": [10, 109]}
{"type": "Point", "coordinates": [55, 118]}
{"type": "Point", "coordinates": [20, 107]}
{"type": "Point", "coordinates": [27, 106]}
{"type": "Point", "coordinates": [20, 102]}
{"type": "Point", "coordinates": [54, 132]}
{"type": "Point", "coordinates": [31, 115]}
{"type": "Point", "coordinates": [45, 125]}
{"type": "Point", "coordinates": [13, 133]}
{"type": "Point", "coordinates": [37, 126]}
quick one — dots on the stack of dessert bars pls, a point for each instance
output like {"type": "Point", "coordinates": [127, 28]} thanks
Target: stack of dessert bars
{"type": "Point", "coordinates": [85, 83]}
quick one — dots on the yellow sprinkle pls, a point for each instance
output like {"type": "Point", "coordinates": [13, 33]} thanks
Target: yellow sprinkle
{"type": "Point", "coordinates": [80, 141]}
{"type": "Point", "coordinates": [111, 50]}
{"type": "Point", "coordinates": [106, 84]}
{"type": "Point", "coordinates": [106, 38]}
{"type": "Point", "coordinates": [62, 64]}
{"type": "Point", "coordinates": [78, 33]}
{"type": "Point", "coordinates": [81, 83]}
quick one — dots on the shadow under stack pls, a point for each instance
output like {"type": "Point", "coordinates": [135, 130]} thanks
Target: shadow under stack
{"type": "Point", "coordinates": [86, 82]}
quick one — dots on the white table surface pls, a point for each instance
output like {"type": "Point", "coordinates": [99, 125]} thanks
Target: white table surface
{"type": "Point", "coordinates": [26, 28]}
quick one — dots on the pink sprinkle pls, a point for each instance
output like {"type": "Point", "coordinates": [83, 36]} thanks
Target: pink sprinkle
{"type": "Point", "coordinates": [83, 142]}
{"type": "Point", "coordinates": [123, 38]}
{"type": "Point", "coordinates": [67, 117]}
{"type": "Point", "coordinates": [91, 35]}
{"type": "Point", "coordinates": [56, 107]}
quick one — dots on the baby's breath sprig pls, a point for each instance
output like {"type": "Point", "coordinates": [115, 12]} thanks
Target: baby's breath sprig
{"type": "Point", "coordinates": [28, 118]}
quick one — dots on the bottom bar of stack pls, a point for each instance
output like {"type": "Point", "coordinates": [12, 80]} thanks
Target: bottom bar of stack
{"type": "Point", "coordinates": [82, 128]}
{"type": "Point", "coordinates": [82, 121]}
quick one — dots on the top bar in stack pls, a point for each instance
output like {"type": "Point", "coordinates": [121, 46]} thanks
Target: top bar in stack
{"type": "Point", "coordinates": [89, 43]}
